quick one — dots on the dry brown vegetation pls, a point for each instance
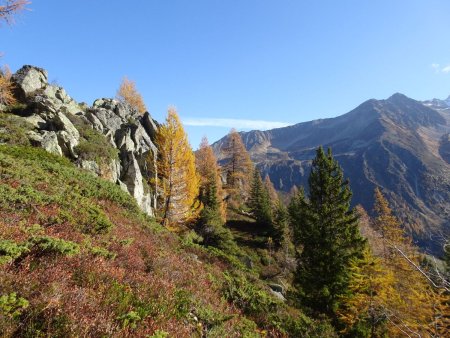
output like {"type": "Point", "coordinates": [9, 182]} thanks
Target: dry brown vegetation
{"type": "Point", "coordinates": [6, 87]}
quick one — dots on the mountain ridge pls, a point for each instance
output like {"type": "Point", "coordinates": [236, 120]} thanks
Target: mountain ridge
{"type": "Point", "coordinates": [398, 144]}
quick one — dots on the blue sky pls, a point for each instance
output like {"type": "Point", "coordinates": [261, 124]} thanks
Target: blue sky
{"type": "Point", "coordinates": [223, 61]}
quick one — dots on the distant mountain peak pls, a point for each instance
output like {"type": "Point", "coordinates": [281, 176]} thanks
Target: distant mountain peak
{"type": "Point", "coordinates": [398, 97]}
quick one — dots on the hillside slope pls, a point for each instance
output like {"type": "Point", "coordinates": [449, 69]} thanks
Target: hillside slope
{"type": "Point", "coordinates": [399, 144]}
{"type": "Point", "coordinates": [81, 257]}
{"type": "Point", "coordinates": [78, 258]}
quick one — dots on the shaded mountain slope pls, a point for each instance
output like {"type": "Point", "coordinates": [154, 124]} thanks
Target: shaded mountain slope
{"type": "Point", "coordinates": [398, 144]}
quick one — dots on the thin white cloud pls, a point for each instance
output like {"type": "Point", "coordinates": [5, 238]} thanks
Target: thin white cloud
{"type": "Point", "coordinates": [233, 123]}
{"type": "Point", "coordinates": [440, 69]}
{"type": "Point", "coordinates": [446, 69]}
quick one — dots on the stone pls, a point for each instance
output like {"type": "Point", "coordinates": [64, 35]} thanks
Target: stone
{"type": "Point", "coordinates": [114, 168]}
{"type": "Point", "coordinates": [278, 295]}
{"type": "Point", "coordinates": [124, 141]}
{"type": "Point", "coordinates": [34, 137]}
{"type": "Point", "coordinates": [276, 287]}
{"type": "Point", "coordinates": [36, 121]}
{"type": "Point", "coordinates": [94, 121]}
{"type": "Point", "coordinates": [68, 136]}
{"type": "Point", "coordinates": [149, 125]}
{"type": "Point", "coordinates": [142, 140]}
{"type": "Point", "coordinates": [132, 177]}
{"type": "Point", "coordinates": [28, 80]}
{"type": "Point", "coordinates": [89, 165]}
{"type": "Point", "coordinates": [50, 142]}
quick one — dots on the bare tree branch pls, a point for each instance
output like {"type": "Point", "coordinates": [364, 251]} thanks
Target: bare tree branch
{"type": "Point", "coordinates": [11, 8]}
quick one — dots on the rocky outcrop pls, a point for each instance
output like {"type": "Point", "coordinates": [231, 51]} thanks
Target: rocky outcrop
{"type": "Point", "coordinates": [51, 111]}
{"type": "Point", "coordinates": [28, 79]}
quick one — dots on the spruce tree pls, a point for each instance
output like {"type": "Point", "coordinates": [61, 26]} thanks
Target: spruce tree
{"type": "Point", "coordinates": [326, 232]}
{"type": "Point", "coordinates": [210, 224]}
{"type": "Point", "coordinates": [259, 201]}
{"type": "Point", "coordinates": [281, 233]}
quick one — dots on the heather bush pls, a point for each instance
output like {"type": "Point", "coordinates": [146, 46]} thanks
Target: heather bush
{"type": "Point", "coordinates": [12, 306]}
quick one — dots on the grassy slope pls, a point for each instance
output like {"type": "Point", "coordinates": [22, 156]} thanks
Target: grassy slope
{"type": "Point", "coordinates": [128, 275]}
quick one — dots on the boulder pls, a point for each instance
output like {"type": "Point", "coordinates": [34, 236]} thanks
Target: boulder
{"type": "Point", "coordinates": [68, 135]}
{"type": "Point", "coordinates": [36, 121]}
{"type": "Point", "coordinates": [132, 177]}
{"type": "Point", "coordinates": [89, 165]}
{"type": "Point", "coordinates": [149, 125]}
{"type": "Point", "coordinates": [276, 287]}
{"type": "Point", "coordinates": [50, 142]}
{"type": "Point", "coordinates": [55, 98]}
{"type": "Point", "coordinates": [124, 140]}
{"type": "Point", "coordinates": [142, 140]}
{"type": "Point", "coordinates": [278, 295]}
{"type": "Point", "coordinates": [28, 80]}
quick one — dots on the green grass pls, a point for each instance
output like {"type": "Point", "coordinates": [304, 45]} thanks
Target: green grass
{"type": "Point", "coordinates": [13, 130]}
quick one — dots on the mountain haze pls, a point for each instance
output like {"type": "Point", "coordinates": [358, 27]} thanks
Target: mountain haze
{"type": "Point", "coordinates": [399, 144]}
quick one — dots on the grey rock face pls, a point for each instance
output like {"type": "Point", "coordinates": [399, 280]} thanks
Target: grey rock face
{"type": "Point", "coordinates": [132, 177]}
{"type": "Point", "coordinates": [28, 79]}
{"type": "Point", "coordinates": [68, 135]}
{"type": "Point", "coordinates": [123, 127]}
{"type": "Point", "coordinates": [50, 142]}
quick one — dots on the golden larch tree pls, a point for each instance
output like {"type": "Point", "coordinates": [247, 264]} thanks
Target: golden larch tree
{"type": "Point", "coordinates": [178, 179]}
{"type": "Point", "coordinates": [209, 173]}
{"type": "Point", "coordinates": [410, 310]}
{"type": "Point", "coordinates": [273, 195]}
{"type": "Point", "coordinates": [238, 167]}
{"type": "Point", "coordinates": [128, 93]}
{"type": "Point", "coordinates": [6, 87]}
{"type": "Point", "coordinates": [363, 309]}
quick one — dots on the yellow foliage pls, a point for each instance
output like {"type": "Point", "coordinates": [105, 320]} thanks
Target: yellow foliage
{"type": "Point", "coordinates": [273, 195]}
{"type": "Point", "coordinates": [209, 171]}
{"type": "Point", "coordinates": [371, 288]}
{"type": "Point", "coordinates": [128, 93]}
{"type": "Point", "coordinates": [238, 168]}
{"type": "Point", "coordinates": [411, 307]}
{"type": "Point", "coordinates": [390, 294]}
{"type": "Point", "coordinates": [178, 182]}
{"type": "Point", "coordinates": [6, 87]}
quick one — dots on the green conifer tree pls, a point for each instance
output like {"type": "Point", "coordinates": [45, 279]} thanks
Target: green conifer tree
{"type": "Point", "coordinates": [259, 201]}
{"type": "Point", "coordinates": [281, 233]}
{"type": "Point", "coordinates": [326, 230]}
{"type": "Point", "coordinates": [210, 224]}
